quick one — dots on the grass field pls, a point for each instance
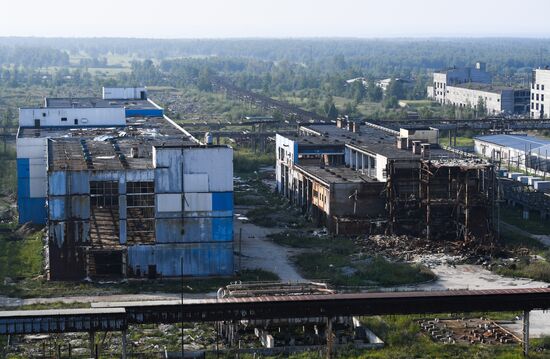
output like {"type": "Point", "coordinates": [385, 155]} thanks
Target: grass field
{"type": "Point", "coordinates": [339, 260]}
{"type": "Point", "coordinates": [514, 216]}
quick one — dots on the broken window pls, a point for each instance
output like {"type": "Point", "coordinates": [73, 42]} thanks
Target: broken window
{"type": "Point", "coordinates": [140, 201]}
{"type": "Point", "coordinates": [104, 194]}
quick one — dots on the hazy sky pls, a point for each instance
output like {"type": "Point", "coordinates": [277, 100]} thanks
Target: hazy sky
{"type": "Point", "coordinates": [269, 18]}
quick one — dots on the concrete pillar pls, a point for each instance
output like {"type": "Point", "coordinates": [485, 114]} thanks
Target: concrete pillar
{"type": "Point", "coordinates": [91, 338]}
{"type": "Point", "coordinates": [124, 343]}
{"type": "Point", "coordinates": [525, 333]}
{"type": "Point", "coordinates": [369, 166]}
{"type": "Point", "coordinates": [362, 163]}
{"type": "Point", "coordinates": [357, 161]}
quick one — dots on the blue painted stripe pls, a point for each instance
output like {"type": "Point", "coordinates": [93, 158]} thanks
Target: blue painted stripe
{"type": "Point", "coordinates": [222, 201]}
{"type": "Point", "coordinates": [23, 167]}
{"type": "Point", "coordinates": [23, 187]}
{"type": "Point", "coordinates": [150, 112]}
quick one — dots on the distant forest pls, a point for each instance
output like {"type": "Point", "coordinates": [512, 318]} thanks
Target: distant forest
{"type": "Point", "coordinates": [378, 57]}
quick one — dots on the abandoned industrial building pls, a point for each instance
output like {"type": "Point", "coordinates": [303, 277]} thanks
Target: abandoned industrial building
{"type": "Point", "coordinates": [464, 87]}
{"type": "Point", "coordinates": [358, 178]}
{"type": "Point", "coordinates": [124, 190]}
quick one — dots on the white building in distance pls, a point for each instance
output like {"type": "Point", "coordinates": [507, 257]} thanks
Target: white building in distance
{"type": "Point", "coordinates": [540, 93]}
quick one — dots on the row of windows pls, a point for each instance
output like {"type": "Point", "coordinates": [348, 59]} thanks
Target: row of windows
{"type": "Point", "coordinates": [535, 106]}
{"type": "Point", "coordinates": [538, 86]}
{"type": "Point", "coordinates": [537, 97]}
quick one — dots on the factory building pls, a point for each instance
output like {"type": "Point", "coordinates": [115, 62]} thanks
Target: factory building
{"type": "Point", "coordinates": [125, 195]}
{"type": "Point", "coordinates": [455, 76]}
{"type": "Point", "coordinates": [464, 87]}
{"type": "Point", "coordinates": [362, 178]}
{"type": "Point", "coordinates": [519, 151]}
{"type": "Point", "coordinates": [498, 100]}
{"type": "Point", "coordinates": [540, 93]}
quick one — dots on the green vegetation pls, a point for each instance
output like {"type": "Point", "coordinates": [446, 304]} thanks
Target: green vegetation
{"type": "Point", "coordinates": [20, 257]}
{"type": "Point", "coordinates": [245, 160]}
{"type": "Point", "coordinates": [39, 287]}
{"type": "Point", "coordinates": [514, 241]}
{"type": "Point", "coordinates": [514, 216]}
{"type": "Point", "coordinates": [525, 267]}
{"type": "Point", "coordinates": [341, 262]}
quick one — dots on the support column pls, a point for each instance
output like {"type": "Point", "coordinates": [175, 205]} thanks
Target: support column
{"type": "Point", "coordinates": [525, 333]}
{"type": "Point", "coordinates": [369, 166]}
{"type": "Point", "coordinates": [124, 343]}
{"type": "Point", "coordinates": [362, 163]}
{"type": "Point", "coordinates": [91, 338]}
{"type": "Point", "coordinates": [330, 338]}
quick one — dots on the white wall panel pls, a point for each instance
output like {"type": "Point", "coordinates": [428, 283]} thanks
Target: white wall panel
{"type": "Point", "coordinates": [38, 187]}
{"type": "Point", "coordinates": [169, 202]}
{"type": "Point", "coordinates": [197, 202]}
{"type": "Point", "coordinates": [195, 182]}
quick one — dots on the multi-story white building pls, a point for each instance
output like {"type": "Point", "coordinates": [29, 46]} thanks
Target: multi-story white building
{"type": "Point", "coordinates": [455, 76]}
{"type": "Point", "coordinates": [540, 93]}
{"type": "Point", "coordinates": [497, 99]}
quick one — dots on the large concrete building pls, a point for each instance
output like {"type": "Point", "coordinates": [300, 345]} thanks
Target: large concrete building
{"type": "Point", "coordinates": [496, 99]}
{"type": "Point", "coordinates": [124, 190]}
{"type": "Point", "coordinates": [361, 178]}
{"type": "Point", "coordinates": [464, 87]}
{"type": "Point", "coordinates": [456, 76]}
{"type": "Point", "coordinates": [540, 93]}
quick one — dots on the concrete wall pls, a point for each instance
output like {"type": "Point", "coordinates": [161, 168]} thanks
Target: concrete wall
{"type": "Point", "coordinates": [31, 179]}
{"type": "Point", "coordinates": [540, 94]}
{"type": "Point", "coordinates": [495, 102]}
{"type": "Point", "coordinates": [72, 117]}
{"type": "Point", "coordinates": [124, 93]}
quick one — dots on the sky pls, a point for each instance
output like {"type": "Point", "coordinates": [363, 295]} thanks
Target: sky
{"type": "Point", "coordinates": [275, 18]}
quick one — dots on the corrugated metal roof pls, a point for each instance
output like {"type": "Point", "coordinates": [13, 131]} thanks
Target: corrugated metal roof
{"type": "Point", "coordinates": [517, 142]}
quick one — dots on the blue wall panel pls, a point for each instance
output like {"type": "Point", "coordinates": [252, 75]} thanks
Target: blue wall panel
{"type": "Point", "coordinates": [23, 187]}
{"type": "Point", "coordinates": [222, 229]}
{"type": "Point", "coordinates": [145, 112]}
{"type": "Point", "coordinates": [23, 167]}
{"type": "Point", "coordinates": [32, 210]}
{"type": "Point", "coordinates": [201, 259]}
{"type": "Point", "coordinates": [222, 201]}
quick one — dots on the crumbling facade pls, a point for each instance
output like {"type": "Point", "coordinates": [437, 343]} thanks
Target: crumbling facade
{"type": "Point", "coordinates": [360, 179]}
{"type": "Point", "coordinates": [142, 198]}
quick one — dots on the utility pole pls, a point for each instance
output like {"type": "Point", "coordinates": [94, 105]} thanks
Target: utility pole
{"type": "Point", "coordinates": [240, 248]}
{"type": "Point", "coordinates": [182, 283]}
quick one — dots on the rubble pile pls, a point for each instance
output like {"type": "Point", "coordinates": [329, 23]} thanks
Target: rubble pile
{"type": "Point", "coordinates": [411, 249]}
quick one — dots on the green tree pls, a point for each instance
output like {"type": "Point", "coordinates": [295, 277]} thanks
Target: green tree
{"type": "Point", "coordinates": [395, 89]}
{"type": "Point", "coordinates": [204, 83]}
{"type": "Point", "coordinates": [481, 108]}
{"type": "Point", "coordinates": [374, 92]}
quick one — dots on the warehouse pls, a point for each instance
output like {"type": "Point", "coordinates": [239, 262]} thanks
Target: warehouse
{"type": "Point", "coordinates": [519, 151]}
{"type": "Point", "coordinates": [358, 178]}
{"type": "Point", "coordinates": [128, 200]}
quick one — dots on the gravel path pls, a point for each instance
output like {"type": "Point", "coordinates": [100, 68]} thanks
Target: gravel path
{"type": "Point", "coordinates": [259, 252]}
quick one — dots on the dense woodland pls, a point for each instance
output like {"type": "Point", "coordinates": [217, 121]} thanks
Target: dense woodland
{"type": "Point", "coordinates": [309, 72]}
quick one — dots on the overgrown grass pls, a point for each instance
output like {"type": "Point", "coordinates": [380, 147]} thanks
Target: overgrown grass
{"type": "Point", "coordinates": [525, 267]}
{"type": "Point", "coordinates": [30, 288]}
{"type": "Point", "coordinates": [20, 258]}
{"type": "Point", "coordinates": [515, 241]}
{"type": "Point", "coordinates": [339, 261]}
{"type": "Point", "coordinates": [514, 216]}
{"type": "Point", "coordinates": [245, 160]}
